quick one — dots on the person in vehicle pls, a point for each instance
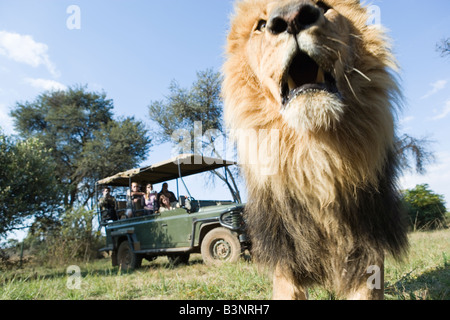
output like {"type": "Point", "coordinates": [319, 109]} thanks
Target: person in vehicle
{"type": "Point", "coordinates": [107, 205]}
{"type": "Point", "coordinates": [150, 200]}
{"type": "Point", "coordinates": [164, 203]}
{"type": "Point", "coordinates": [169, 194]}
{"type": "Point", "coordinates": [135, 200]}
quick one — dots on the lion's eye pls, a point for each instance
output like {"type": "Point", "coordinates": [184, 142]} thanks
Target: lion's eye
{"type": "Point", "coordinates": [261, 25]}
{"type": "Point", "coordinates": [323, 6]}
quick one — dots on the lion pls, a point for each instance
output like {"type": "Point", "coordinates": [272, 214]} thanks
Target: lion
{"type": "Point", "coordinates": [317, 89]}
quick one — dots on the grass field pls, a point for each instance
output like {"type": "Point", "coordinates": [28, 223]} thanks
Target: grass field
{"type": "Point", "coordinates": [425, 275]}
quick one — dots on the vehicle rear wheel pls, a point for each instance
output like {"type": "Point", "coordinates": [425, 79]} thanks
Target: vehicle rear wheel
{"type": "Point", "coordinates": [220, 245]}
{"type": "Point", "coordinates": [126, 259]}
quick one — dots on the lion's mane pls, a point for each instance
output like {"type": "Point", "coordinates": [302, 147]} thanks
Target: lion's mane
{"type": "Point", "coordinates": [331, 207]}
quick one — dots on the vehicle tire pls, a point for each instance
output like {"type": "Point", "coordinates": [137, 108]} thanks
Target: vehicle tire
{"type": "Point", "coordinates": [126, 259]}
{"type": "Point", "coordinates": [114, 258]}
{"type": "Point", "coordinates": [177, 259]}
{"type": "Point", "coordinates": [220, 245]}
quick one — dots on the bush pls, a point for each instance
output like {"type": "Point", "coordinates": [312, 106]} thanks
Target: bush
{"type": "Point", "coordinates": [426, 210]}
{"type": "Point", "coordinates": [72, 238]}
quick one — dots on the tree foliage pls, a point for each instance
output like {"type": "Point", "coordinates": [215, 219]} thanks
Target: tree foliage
{"type": "Point", "coordinates": [426, 209]}
{"type": "Point", "coordinates": [27, 182]}
{"type": "Point", "coordinates": [183, 107]}
{"type": "Point", "coordinates": [86, 143]}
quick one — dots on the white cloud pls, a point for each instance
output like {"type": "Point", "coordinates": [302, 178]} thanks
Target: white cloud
{"type": "Point", "coordinates": [23, 49]}
{"type": "Point", "coordinates": [45, 84]}
{"type": "Point", "coordinates": [445, 111]}
{"type": "Point", "coordinates": [436, 87]}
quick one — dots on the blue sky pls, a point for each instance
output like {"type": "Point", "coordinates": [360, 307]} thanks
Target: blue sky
{"type": "Point", "coordinates": [133, 49]}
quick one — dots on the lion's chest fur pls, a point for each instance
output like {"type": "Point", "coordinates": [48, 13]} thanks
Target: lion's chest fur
{"type": "Point", "coordinates": [323, 201]}
{"type": "Point", "coordinates": [316, 222]}
{"type": "Point", "coordinates": [315, 169]}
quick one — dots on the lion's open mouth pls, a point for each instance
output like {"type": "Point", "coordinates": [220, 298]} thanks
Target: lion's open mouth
{"type": "Point", "coordinates": [304, 75]}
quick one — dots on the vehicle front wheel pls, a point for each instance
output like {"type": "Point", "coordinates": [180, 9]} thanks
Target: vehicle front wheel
{"type": "Point", "coordinates": [220, 245]}
{"type": "Point", "coordinates": [126, 259]}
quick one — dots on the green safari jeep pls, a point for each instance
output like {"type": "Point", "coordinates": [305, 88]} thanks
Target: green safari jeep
{"type": "Point", "coordinates": [215, 229]}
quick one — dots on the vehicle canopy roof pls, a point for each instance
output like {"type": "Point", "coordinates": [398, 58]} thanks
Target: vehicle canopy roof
{"type": "Point", "coordinates": [188, 164]}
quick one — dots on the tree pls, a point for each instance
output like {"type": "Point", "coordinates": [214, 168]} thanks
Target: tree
{"type": "Point", "coordinates": [183, 107]}
{"type": "Point", "coordinates": [117, 146]}
{"type": "Point", "coordinates": [426, 209]}
{"type": "Point", "coordinates": [195, 111]}
{"type": "Point", "coordinates": [408, 146]}
{"type": "Point", "coordinates": [84, 139]}
{"type": "Point", "coordinates": [28, 187]}
{"type": "Point", "coordinates": [444, 47]}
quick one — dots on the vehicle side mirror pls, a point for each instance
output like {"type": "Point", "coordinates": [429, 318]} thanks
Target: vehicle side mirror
{"type": "Point", "coordinates": [187, 204]}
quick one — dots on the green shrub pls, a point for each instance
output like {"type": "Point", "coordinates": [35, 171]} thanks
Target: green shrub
{"type": "Point", "coordinates": [426, 210]}
{"type": "Point", "coordinates": [71, 238]}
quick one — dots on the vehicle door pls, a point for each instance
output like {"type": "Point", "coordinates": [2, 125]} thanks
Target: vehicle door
{"type": "Point", "coordinates": [177, 227]}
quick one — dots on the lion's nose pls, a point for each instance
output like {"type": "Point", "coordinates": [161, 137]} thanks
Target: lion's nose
{"type": "Point", "coordinates": [293, 18]}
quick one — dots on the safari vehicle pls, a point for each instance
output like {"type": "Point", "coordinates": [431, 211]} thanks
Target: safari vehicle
{"type": "Point", "coordinates": [215, 229]}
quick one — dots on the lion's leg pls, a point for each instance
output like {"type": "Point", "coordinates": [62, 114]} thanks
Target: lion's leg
{"type": "Point", "coordinates": [372, 284]}
{"type": "Point", "coordinates": [284, 287]}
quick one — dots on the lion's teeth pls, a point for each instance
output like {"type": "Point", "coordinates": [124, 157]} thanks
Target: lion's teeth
{"type": "Point", "coordinates": [320, 76]}
{"type": "Point", "coordinates": [291, 84]}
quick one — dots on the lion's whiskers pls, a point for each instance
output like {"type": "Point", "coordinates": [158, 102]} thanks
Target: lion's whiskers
{"type": "Point", "coordinates": [351, 87]}
{"type": "Point", "coordinates": [356, 36]}
{"type": "Point", "coordinates": [329, 49]}
{"type": "Point", "coordinates": [338, 41]}
{"type": "Point", "coordinates": [362, 74]}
